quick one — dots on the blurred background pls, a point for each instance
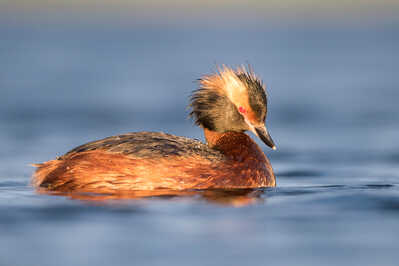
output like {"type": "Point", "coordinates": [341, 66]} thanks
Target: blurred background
{"type": "Point", "coordinates": [76, 71]}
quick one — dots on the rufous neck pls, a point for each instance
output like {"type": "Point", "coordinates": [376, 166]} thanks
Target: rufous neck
{"type": "Point", "coordinates": [236, 145]}
{"type": "Point", "coordinates": [212, 137]}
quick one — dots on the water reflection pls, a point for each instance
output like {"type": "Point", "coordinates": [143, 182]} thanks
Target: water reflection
{"type": "Point", "coordinates": [223, 197]}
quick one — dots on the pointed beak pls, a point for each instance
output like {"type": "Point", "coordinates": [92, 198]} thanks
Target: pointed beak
{"type": "Point", "coordinates": [262, 133]}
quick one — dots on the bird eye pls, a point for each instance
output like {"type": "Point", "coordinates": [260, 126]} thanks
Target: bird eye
{"type": "Point", "coordinates": [242, 110]}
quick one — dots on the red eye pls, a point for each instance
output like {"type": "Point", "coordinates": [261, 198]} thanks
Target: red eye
{"type": "Point", "coordinates": [242, 110]}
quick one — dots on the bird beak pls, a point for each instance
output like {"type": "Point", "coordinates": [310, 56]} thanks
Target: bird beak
{"type": "Point", "coordinates": [262, 133]}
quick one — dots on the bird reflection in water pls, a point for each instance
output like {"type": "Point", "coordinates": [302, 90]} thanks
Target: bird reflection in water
{"type": "Point", "coordinates": [223, 197]}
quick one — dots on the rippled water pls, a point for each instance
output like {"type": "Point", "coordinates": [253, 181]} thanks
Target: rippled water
{"type": "Point", "coordinates": [333, 114]}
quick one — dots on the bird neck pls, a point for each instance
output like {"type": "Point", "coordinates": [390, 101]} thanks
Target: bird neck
{"type": "Point", "coordinates": [236, 145]}
{"type": "Point", "coordinates": [212, 137]}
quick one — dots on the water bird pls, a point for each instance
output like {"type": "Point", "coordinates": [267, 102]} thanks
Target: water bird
{"type": "Point", "coordinates": [227, 103]}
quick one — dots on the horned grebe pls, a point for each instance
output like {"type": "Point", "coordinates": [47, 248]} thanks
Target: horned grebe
{"type": "Point", "coordinates": [226, 104]}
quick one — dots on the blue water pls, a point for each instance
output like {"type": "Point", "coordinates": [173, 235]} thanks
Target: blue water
{"type": "Point", "coordinates": [333, 94]}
